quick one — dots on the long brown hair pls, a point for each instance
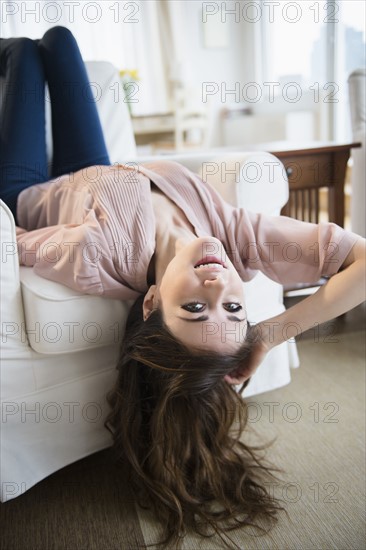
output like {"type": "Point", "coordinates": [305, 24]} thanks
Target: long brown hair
{"type": "Point", "coordinates": [177, 425]}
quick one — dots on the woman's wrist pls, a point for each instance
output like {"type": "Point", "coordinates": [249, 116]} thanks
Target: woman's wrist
{"type": "Point", "coordinates": [265, 335]}
{"type": "Point", "coordinates": [281, 328]}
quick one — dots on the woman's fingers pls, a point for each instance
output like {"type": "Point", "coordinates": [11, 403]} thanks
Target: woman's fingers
{"type": "Point", "coordinates": [245, 371]}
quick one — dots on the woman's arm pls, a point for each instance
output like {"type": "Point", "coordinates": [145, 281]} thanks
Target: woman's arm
{"type": "Point", "coordinates": [77, 256]}
{"type": "Point", "coordinates": [344, 291]}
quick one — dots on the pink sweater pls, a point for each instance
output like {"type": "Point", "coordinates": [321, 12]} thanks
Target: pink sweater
{"type": "Point", "coordinates": [94, 230]}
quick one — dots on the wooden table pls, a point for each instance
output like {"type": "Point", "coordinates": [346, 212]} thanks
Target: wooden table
{"type": "Point", "coordinates": [311, 167]}
{"type": "Point", "coordinates": [155, 127]}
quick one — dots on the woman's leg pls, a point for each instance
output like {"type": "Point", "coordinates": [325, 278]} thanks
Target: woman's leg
{"type": "Point", "coordinates": [78, 139]}
{"type": "Point", "coordinates": [23, 160]}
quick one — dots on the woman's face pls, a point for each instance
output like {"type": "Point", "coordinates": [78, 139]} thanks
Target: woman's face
{"type": "Point", "coordinates": [201, 297]}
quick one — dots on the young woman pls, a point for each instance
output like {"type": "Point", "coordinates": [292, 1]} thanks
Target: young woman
{"type": "Point", "coordinates": [159, 235]}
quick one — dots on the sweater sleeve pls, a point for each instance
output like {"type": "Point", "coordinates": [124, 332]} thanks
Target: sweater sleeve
{"type": "Point", "coordinates": [289, 250]}
{"type": "Point", "coordinates": [75, 255]}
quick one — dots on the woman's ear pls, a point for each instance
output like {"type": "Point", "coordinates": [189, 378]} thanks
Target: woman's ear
{"type": "Point", "coordinates": [149, 302]}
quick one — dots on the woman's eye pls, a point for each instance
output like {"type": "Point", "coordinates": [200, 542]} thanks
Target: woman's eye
{"type": "Point", "coordinates": [193, 307]}
{"type": "Point", "coordinates": [233, 307]}
{"type": "Point", "coordinates": [197, 307]}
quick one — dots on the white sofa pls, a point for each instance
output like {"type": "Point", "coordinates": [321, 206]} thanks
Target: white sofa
{"type": "Point", "coordinates": [59, 348]}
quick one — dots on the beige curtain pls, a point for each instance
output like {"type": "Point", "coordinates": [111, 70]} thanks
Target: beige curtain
{"type": "Point", "coordinates": [171, 21]}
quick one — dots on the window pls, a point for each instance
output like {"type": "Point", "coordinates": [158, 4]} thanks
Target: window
{"type": "Point", "coordinates": [309, 49]}
{"type": "Point", "coordinates": [349, 55]}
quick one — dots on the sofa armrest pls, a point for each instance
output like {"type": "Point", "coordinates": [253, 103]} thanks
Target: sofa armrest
{"type": "Point", "coordinates": [11, 312]}
{"type": "Point", "coordinates": [9, 252]}
{"type": "Point", "coordinates": [256, 181]}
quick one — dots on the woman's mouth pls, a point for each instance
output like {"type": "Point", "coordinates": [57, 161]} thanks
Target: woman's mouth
{"type": "Point", "coordinates": [210, 263]}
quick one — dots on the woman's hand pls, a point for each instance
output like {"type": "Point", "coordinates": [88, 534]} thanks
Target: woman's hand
{"type": "Point", "coordinates": [344, 290]}
{"type": "Point", "coordinates": [260, 348]}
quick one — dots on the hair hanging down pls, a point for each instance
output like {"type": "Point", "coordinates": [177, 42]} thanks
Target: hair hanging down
{"type": "Point", "coordinates": [176, 426]}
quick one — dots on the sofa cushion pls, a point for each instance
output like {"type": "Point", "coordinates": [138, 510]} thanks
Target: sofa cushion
{"type": "Point", "coordinates": [61, 320]}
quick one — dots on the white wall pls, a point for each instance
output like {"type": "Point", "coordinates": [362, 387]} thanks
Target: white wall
{"type": "Point", "coordinates": [211, 69]}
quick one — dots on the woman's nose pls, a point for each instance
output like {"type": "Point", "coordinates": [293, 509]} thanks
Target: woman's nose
{"type": "Point", "coordinates": [215, 282]}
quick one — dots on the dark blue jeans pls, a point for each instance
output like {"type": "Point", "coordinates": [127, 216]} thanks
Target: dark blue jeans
{"type": "Point", "coordinates": [77, 135]}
